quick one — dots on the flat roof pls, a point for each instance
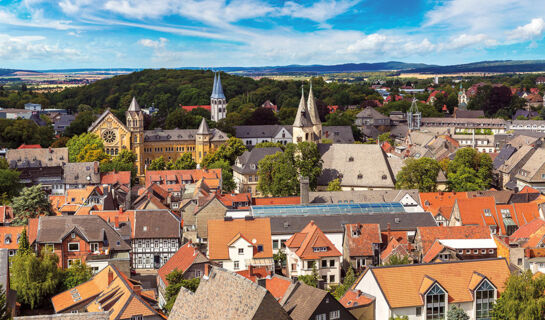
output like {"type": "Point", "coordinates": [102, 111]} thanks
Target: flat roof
{"type": "Point", "coordinates": [327, 209]}
{"type": "Point", "coordinates": [469, 243]}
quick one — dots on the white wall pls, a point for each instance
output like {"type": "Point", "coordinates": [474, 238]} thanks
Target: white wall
{"type": "Point", "coordinates": [369, 285]}
{"type": "Point", "coordinates": [241, 258]}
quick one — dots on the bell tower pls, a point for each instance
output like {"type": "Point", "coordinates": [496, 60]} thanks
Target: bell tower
{"type": "Point", "coordinates": [218, 103]}
{"type": "Point", "coordinates": [135, 123]}
{"type": "Point", "coordinates": [202, 145]}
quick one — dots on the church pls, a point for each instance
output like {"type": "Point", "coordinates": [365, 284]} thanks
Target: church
{"type": "Point", "coordinates": [148, 145]}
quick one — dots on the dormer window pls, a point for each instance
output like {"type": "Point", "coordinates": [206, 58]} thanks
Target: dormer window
{"type": "Point", "coordinates": [485, 297]}
{"type": "Point", "coordinates": [360, 176]}
{"type": "Point", "coordinates": [319, 249]}
{"type": "Point", "coordinates": [350, 159]}
{"type": "Point", "coordinates": [487, 213]}
{"type": "Point", "coordinates": [435, 303]}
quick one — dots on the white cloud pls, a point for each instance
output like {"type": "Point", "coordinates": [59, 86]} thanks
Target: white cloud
{"type": "Point", "coordinates": [156, 44]}
{"type": "Point", "coordinates": [32, 48]}
{"type": "Point", "coordinates": [530, 31]}
{"type": "Point", "coordinates": [466, 40]}
{"type": "Point", "coordinates": [319, 11]}
{"type": "Point", "coordinates": [36, 21]}
{"type": "Point", "coordinates": [73, 6]}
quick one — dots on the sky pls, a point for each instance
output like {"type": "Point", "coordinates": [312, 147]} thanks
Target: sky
{"type": "Point", "coordinates": [43, 34]}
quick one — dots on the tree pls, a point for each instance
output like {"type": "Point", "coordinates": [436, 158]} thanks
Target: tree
{"type": "Point", "coordinates": [228, 151]}
{"type": "Point", "coordinates": [31, 203]}
{"type": "Point", "coordinates": [523, 298]}
{"type": "Point", "coordinates": [310, 279]}
{"type": "Point", "coordinates": [348, 281]}
{"type": "Point", "coordinates": [34, 278]}
{"type": "Point", "coordinates": [418, 174]}
{"type": "Point", "coordinates": [60, 142]}
{"type": "Point", "coordinates": [5, 313]}
{"type": "Point", "coordinates": [334, 185]}
{"type": "Point", "coordinates": [395, 260]}
{"type": "Point", "coordinates": [457, 313]}
{"type": "Point", "coordinates": [76, 274]}
{"type": "Point", "coordinates": [469, 171]}
{"type": "Point", "coordinates": [124, 161]}
{"type": "Point", "coordinates": [185, 162]}
{"type": "Point", "coordinates": [158, 164]}
{"type": "Point", "coordinates": [81, 123]}
{"type": "Point", "coordinates": [9, 182]}
{"type": "Point", "coordinates": [385, 137]}
{"type": "Point", "coordinates": [226, 174]}
{"type": "Point", "coordinates": [262, 116]}
{"type": "Point", "coordinates": [24, 245]}
{"type": "Point", "coordinates": [269, 144]}
{"type": "Point", "coordinates": [280, 257]}
{"type": "Point", "coordinates": [85, 147]}
{"type": "Point", "coordinates": [307, 160]}
{"type": "Point", "coordinates": [175, 282]}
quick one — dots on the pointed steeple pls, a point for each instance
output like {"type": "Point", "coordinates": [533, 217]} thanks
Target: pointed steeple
{"type": "Point", "coordinates": [203, 127]}
{"type": "Point", "coordinates": [311, 107]}
{"type": "Point", "coordinates": [302, 118]}
{"type": "Point", "coordinates": [217, 91]}
{"type": "Point", "coordinates": [134, 107]}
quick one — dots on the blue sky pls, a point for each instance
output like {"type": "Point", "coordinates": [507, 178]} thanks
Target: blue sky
{"type": "Point", "coordinates": [45, 34]}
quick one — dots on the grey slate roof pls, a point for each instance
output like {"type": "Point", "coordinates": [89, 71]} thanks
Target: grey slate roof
{"type": "Point", "coordinates": [335, 223]}
{"type": "Point", "coordinates": [356, 165]}
{"type": "Point", "coordinates": [370, 112]}
{"type": "Point", "coordinates": [370, 131]}
{"type": "Point", "coordinates": [532, 166]}
{"type": "Point", "coordinates": [203, 127]}
{"type": "Point", "coordinates": [4, 267]}
{"type": "Point", "coordinates": [217, 89]}
{"type": "Point", "coordinates": [515, 159]}
{"type": "Point", "coordinates": [362, 196]}
{"type": "Point", "coordinates": [181, 135]}
{"type": "Point", "coordinates": [64, 121]}
{"type": "Point", "coordinates": [302, 301]}
{"type": "Point", "coordinates": [134, 107]}
{"type": "Point", "coordinates": [227, 295]}
{"type": "Point", "coordinates": [155, 224]}
{"type": "Point", "coordinates": [311, 107]}
{"type": "Point", "coordinates": [468, 114]}
{"type": "Point", "coordinates": [338, 134]}
{"type": "Point", "coordinates": [505, 153]}
{"type": "Point", "coordinates": [82, 173]}
{"type": "Point", "coordinates": [104, 315]}
{"type": "Point", "coordinates": [399, 131]}
{"type": "Point", "coordinates": [35, 158]}
{"type": "Point", "coordinates": [53, 229]}
{"type": "Point", "coordinates": [302, 117]}
{"type": "Point", "coordinates": [267, 131]}
{"type": "Point", "coordinates": [247, 162]}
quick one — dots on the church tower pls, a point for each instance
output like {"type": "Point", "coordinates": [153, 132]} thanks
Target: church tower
{"type": "Point", "coordinates": [462, 98]}
{"type": "Point", "coordinates": [135, 123]}
{"type": "Point", "coordinates": [314, 115]}
{"type": "Point", "coordinates": [202, 146]}
{"type": "Point", "coordinates": [218, 103]}
{"type": "Point", "coordinates": [303, 128]}
{"type": "Point", "coordinates": [414, 117]}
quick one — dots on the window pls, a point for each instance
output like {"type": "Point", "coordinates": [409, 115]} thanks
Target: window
{"type": "Point", "coordinates": [487, 212]}
{"type": "Point", "coordinates": [138, 317]}
{"type": "Point", "coordinates": [332, 263]}
{"type": "Point", "coordinates": [310, 264]}
{"type": "Point", "coordinates": [332, 278]}
{"type": "Point", "coordinates": [322, 316]}
{"type": "Point", "coordinates": [73, 261]}
{"type": "Point", "coordinates": [483, 251]}
{"type": "Point", "coordinates": [275, 244]}
{"type": "Point", "coordinates": [220, 264]}
{"type": "Point", "coordinates": [418, 311]}
{"type": "Point", "coordinates": [435, 303]}
{"type": "Point", "coordinates": [476, 251]}
{"type": "Point", "coordinates": [468, 251]}
{"type": "Point", "coordinates": [335, 314]}
{"type": "Point", "coordinates": [484, 300]}
{"type": "Point", "coordinates": [241, 251]}
{"type": "Point", "coordinates": [324, 263]}
{"type": "Point", "coordinates": [319, 249]}
{"type": "Point", "coordinates": [73, 246]}
{"type": "Point", "coordinates": [73, 235]}
{"type": "Point", "coordinates": [94, 246]}
{"type": "Point", "coordinates": [259, 248]}
{"type": "Point", "coordinates": [236, 265]}
{"type": "Point", "coordinates": [491, 251]}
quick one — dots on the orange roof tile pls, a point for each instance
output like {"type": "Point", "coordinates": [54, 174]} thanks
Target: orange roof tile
{"type": "Point", "coordinates": [432, 253]}
{"type": "Point", "coordinates": [255, 273]}
{"type": "Point", "coordinates": [32, 231]}
{"type": "Point", "coordinates": [9, 236]}
{"type": "Point", "coordinates": [479, 211]}
{"type": "Point", "coordinates": [394, 247]}
{"type": "Point", "coordinates": [181, 260]}
{"type": "Point", "coordinates": [122, 177]}
{"type": "Point", "coordinates": [528, 189]}
{"type": "Point", "coordinates": [277, 286]}
{"type": "Point", "coordinates": [273, 201]}
{"type": "Point", "coordinates": [432, 201]}
{"type": "Point", "coordinates": [526, 230]}
{"type": "Point", "coordinates": [355, 298]}
{"type": "Point", "coordinates": [401, 284]}
{"type": "Point", "coordinates": [221, 232]}
{"type": "Point", "coordinates": [313, 238]}
{"type": "Point", "coordinates": [428, 235]}
{"type": "Point", "coordinates": [361, 237]}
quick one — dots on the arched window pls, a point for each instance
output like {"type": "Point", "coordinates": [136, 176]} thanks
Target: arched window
{"type": "Point", "coordinates": [484, 300]}
{"type": "Point", "coordinates": [435, 303]}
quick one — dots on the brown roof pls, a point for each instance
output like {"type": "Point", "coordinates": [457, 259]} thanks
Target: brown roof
{"type": "Point", "coordinates": [302, 300]}
{"type": "Point", "coordinates": [222, 232]}
{"type": "Point", "coordinates": [51, 157]}
{"type": "Point", "coordinates": [361, 237]}
{"type": "Point", "coordinates": [401, 285]}
{"type": "Point", "coordinates": [184, 258]}
{"type": "Point", "coordinates": [309, 238]}
{"type": "Point", "coordinates": [155, 224]}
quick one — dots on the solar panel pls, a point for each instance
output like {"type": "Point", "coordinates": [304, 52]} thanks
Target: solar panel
{"type": "Point", "coordinates": [328, 209]}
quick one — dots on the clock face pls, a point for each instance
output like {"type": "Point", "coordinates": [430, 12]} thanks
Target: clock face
{"type": "Point", "coordinates": [108, 136]}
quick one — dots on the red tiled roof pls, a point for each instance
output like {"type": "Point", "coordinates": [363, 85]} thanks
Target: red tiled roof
{"type": "Point", "coordinates": [428, 235]}
{"type": "Point", "coordinates": [277, 286]}
{"type": "Point", "coordinates": [189, 108]}
{"type": "Point", "coordinates": [122, 177]}
{"type": "Point", "coordinates": [526, 230]}
{"type": "Point", "coordinates": [394, 247]}
{"type": "Point", "coordinates": [255, 273]}
{"type": "Point", "coordinates": [361, 237]}
{"type": "Point", "coordinates": [432, 201]}
{"type": "Point", "coordinates": [435, 249]}
{"type": "Point", "coordinates": [355, 298]}
{"type": "Point", "coordinates": [32, 231]}
{"type": "Point", "coordinates": [313, 238]}
{"type": "Point", "coordinates": [29, 146]}
{"type": "Point", "coordinates": [272, 201]}
{"type": "Point", "coordinates": [181, 260]}
{"type": "Point", "coordinates": [228, 199]}
{"type": "Point", "coordinates": [6, 214]}
{"type": "Point", "coordinates": [528, 189]}
{"type": "Point", "coordinates": [10, 234]}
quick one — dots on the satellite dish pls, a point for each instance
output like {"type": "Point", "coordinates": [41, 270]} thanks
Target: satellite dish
{"type": "Point", "coordinates": [254, 241]}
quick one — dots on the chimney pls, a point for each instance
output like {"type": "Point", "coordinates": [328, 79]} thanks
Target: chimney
{"type": "Point", "coordinates": [120, 210]}
{"type": "Point", "coordinates": [304, 189]}
{"type": "Point", "coordinates": [251, 270]}
{"type": "Point", "coordinates": [137, 289]}
{"type": "Point", "coordinates": [116, 222]}
{"type": "Point", "coordinates": [110, 276]}
{"type": "Point", "coordinates": [388, 230]}
{"type": "Point", "coordinates": [262, 282]}
{"type": "Point", "coordinates": [206, 269]}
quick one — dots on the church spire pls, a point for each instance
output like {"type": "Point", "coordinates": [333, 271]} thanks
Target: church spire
{"type": "Point", "coordinates": [134, 107]}
{"type": "Point", "coordinates": [217, 91]}
{"type": "Point", "coordinates": [203, 127]}
{"type": "Point", "coordinates": [311, 107]}
{"type": "Point", "coordinates": [302, 118]}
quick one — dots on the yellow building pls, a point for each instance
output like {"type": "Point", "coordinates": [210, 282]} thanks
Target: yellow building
{"type": "Point", "coordinates": [148, 145]}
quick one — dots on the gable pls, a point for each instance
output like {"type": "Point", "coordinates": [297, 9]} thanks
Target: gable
{"type": "Point", "coordinates": [107, 120]}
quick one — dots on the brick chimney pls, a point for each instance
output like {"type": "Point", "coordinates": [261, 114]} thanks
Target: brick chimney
{"type": "Point", "coordinates": [110, 276]}
{"type": "Point", "coordinates": [116, 222]}
{"type": "Point", "coordinates": [206, 269]}
{"type": "Point", "coordinates": [304, 189]}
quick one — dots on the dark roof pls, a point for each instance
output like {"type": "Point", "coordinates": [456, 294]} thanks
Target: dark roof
{"type": "Point", "coordinates": [156, 224]}
{"type": "Point", "coordinates": [266, 131]}
{"type": "Point", "coordinates": [4, 267]}
{"type": "Point", "coordinates": [334, 223]}
{"type": "Point", "coordinates": [247, 162]}
{"type": "Point", "coordinates": [399, 131]}
{"type": "Point", "coordinates": [63, 122]}
{"type": "Point", "coordinates": [181, 135]}
{"type": "Point", "coordinates": [338, 134]}
{"type": "Point", "coordinates": [36, 158]}
{"type": "Point", "coordinates": [217, 89]}
{"type": "Point", "coordinates": [370, 112]}
{"type": "Point", "coordinates": [93, 228]}
{"type": "Point", "coordinates": [82, 173]}
{"type": "Point", "coordinates": [370, 132]}
{"type": "Point", "coordinates": [468, 114]}
{"type": "Point", "coordinates": [505, 153]}
{"type": "Point", "coordinates": [301, 301]}
{"type": "Point", "coordinates": [525, 113]}
{"type": "Point", "coordinates": [203, 127]}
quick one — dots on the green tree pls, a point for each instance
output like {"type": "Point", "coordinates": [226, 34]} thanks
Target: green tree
{"type": "Point", "coordinates": [469, 171]}
{"type": "Point", "coordinates": [185, 162]}
{"type": "Point", "coordinates": [81, 123]}
{"type": "Point", "coordinates": [4, 311]}
{"type": "Point", "coordinates": [334, 185]}
{"type": "Point", "coordinates": [280, 257]}
{"type": "Point", "coordinates": [348, 281]}
{"type": "Point", "coordinates": [385, 137]}
{"type": "Point", "coordinates": [124, 161]}
{"type": "Point", "coordinates": [158, 164]}
{"type": "Point", "coordinates": [269, 144]}
{"type": "Point", "coordinates": [85, 147]}
{"type": "Point", "coordinates": [31, 203]}
{"type": "Point", "coordinates": [395, 260]}
{"type": "Point", "coordinates": [457, 313]}
{"type": "Point", "coordinates": [226, 174]}
{"type": "Point", "coordinates": [418, 174]}
{"type": "Point", "coordinates": [523, 298]}
{"type": "Point", "coordinates": [175, 282]}
{"type": "Point", "coordinates": [9, 182]}
{"type": "Point", "coordinates": [228, 151]}
{"type": "Point", "coordinates": [310, 279]}
{"type": "Point", "coordinates": [24, 245]}
{"type": "Point", "coordinates": [307, 160]}
{"type": "Point", "coordinates": [34, 278]}
{"type": "Point", "coordinates": [76, 274]}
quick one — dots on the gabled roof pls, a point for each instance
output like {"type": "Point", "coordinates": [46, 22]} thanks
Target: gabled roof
{"type": "Point", "coordinates": [6, 214]}
{"type": "Point", "coordinates": [302, 301]}
{"type": "Point", "coordinates": [102, 117]}
{"type": "Point", "coordinates": [428, 235]}
{"type": "Point", "coordinates": [355, 298]}
{"type": "Point", "coordinates": [433, 201]}
{"type": "Point", "coordinates": [401, 284]}
{"type": "Point", "coordinates": [222, 232]}
{"type": "Point", "coordinates": [308, 239]}
{"type": "Point", "coordinates": [9, 236]}
{"type": "Point", "coordinates": [526, 230]}
{"type": "Point", "coordinates": [247, 163]}
{"type": "Point", "coordinates": [515, 159]}
{"type": "Point", "coordinates": [122, 177]}
{"type": "Point", "coordinates": [117, 296]}
{"type": "Point", "coordinates": [435, 249]}
{"type": "Point", "coordinates": [532, 166]}
{"type": "Point", "coordinates": [155, 224]}
{"type": "Point", "coordinates": [182, 260]}
{"type": "Point", "coordinates": [360, 239]}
